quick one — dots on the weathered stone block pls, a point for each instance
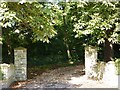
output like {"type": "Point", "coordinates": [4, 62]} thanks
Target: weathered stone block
{"type": "Point", "coordinates": [8, 74]}
{"type": "Point", "coordinates": [110, 75]}
{"type": "Point", "coordinates": [20, 55]}
{"type": "Point", "coordinates": [90, 61]}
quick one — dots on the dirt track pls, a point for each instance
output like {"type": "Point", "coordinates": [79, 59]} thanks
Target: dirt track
{"type": "Point", "coordinates": [65, 77]}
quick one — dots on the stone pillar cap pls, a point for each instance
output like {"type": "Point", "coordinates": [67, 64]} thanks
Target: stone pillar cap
{"type": "Point", "coordinates": [4, 64]}
{"type": "Point", "coordinates": [111, 62]}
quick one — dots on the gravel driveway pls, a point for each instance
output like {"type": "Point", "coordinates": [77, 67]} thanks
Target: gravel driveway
{"type": "Point", "coordinates": [65, 77]}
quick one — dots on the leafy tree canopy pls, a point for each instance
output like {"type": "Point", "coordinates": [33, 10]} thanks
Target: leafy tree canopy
{"type": "Point", "coordinates": [97, 20]}
{"type": "Point", "coordinates": [38, 17]}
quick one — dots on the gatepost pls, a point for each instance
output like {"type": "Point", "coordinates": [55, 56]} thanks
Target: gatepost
{"type": "Point", "coordinates": [20, 62]}
{"type": "Point", "coordinates": [91, 61]}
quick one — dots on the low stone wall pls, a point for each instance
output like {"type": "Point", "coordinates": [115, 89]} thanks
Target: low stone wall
{"type": "Point", "coordinates": [16, 71]}
{"type": "Point", "coordinates": [107, 72]}
{"type": "Point", "coordinates": [7, 75]}
{"type": "Point", "coordinates": [110, 74]}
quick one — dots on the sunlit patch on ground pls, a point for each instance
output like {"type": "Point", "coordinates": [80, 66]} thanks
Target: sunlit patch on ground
{"type": "Point", "coordinates": [77, 80]}
{"type": "Point", "coordinates": [65, 77]}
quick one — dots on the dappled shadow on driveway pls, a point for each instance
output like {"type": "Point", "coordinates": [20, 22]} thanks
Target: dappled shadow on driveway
{"type": "Point", "coordinates": [57, 78]}
{"type": "Point", "coordinates": [64, 78]}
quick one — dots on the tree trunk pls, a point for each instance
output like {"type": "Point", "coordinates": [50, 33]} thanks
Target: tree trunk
{"type": "Point", "coordinates": [9, 50]}
{"type": "Point", "coordinates": [108, 51]}
{"type": "Point", "coordinates": [68, 52]}
{"type": "Point", "coordinates": [65, 33]}
{"type": "Point", "coordinates": [108, 48]}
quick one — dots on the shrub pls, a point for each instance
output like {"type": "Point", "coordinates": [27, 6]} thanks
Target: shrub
{"type": "Point", "coordinates": [46, 60]}
{"type": "Point", "coordinates": [117, 63]}
{"type": "Point", "coordinates": [0, 74]}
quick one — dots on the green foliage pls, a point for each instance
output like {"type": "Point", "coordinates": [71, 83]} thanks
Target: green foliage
{"type": "Point", "coordinates": [1, 74]}
{"type": "Point", "coordinates": [0, 40]}
{"type": "Point", "coordinates": [65, 26]}
{"type": "Point", "coordinates": [6, 16]}
{"type": "Point", "coordinates": [47, 60]}
{"type": "Point", "coordinates": [25, 23]}
{"type": "Point", "coordinates": [96, 20]}
{"type": "Point", "coordinates": [27, 16]}
{"type": "Point", "coordinates": [117, 63]}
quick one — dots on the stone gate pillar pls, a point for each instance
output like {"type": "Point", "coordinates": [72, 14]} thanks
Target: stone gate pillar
{"type": "Point", "coordinates": [90, 61]}
{"type": "Point", "coordinates": [20, 61]}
